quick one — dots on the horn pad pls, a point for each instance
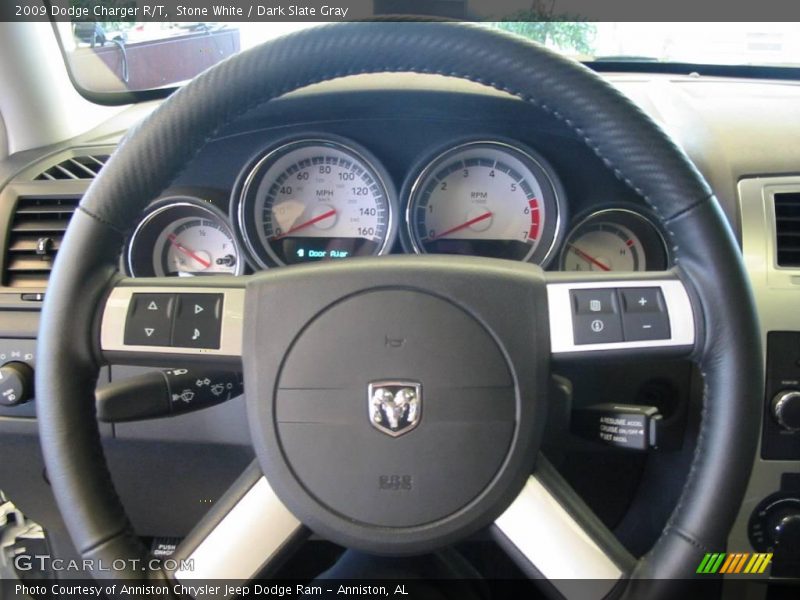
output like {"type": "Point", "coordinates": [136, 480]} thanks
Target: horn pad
{"type": "Point", "coordinates": [395, 410]}
{"type": "Point", "coordinates": [392, 341]}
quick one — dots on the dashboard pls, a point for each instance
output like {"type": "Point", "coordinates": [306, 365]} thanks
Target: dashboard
{"type": "Point", "coordinates": [336, 192]}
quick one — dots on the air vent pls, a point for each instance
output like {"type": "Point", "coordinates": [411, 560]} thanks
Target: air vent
{"type": "Point", "coordinates": [79, 167]}
{"type": "Point", "coordinates": [36, 233]}
{"type": "Point", "coordinates": [787, 228]}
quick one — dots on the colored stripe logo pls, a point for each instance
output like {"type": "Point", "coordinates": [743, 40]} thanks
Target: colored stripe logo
{"type": "Point", "coordinates": [732, 563]}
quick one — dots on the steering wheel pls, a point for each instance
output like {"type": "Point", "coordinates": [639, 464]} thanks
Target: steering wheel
{"type": "Point", "coordinates": [472, 343]}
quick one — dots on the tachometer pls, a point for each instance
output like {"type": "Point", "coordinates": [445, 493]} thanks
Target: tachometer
{"type": "Point", "coordinates": [315, 199]}
{"type": "Point", "coordinates": [183, 236]}
{"type": "Point", "coordinates": [485, 199]}
{"type": "Point", "coordinates": [614, 240]}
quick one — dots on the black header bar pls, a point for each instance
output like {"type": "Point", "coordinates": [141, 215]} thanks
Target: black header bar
{"type": "Point", "coordinates": [352, 10]}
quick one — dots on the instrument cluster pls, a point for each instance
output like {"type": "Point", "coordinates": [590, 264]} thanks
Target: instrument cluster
{"type": "Point", "coordinates": [325, 197]}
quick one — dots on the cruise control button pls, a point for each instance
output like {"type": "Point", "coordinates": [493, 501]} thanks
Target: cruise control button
{"type": "Point", "coordinates": [593, 302]}
{"type": "Point", "coordinates": [597, 329]}
{"type": "Point", "coordinates": [642, 300]}
{"type": "Point", "coordinates": [149, 320]}
{"type": "Point", "coordinates": [198, 321]}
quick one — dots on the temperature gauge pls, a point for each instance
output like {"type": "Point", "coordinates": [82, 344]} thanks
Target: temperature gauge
{"type": "Point", "coordinates": [614, 240]}
{"type": "Point", "coordinates": [183, 237]}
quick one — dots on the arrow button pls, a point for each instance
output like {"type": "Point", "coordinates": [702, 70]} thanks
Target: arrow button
{"type": "Point", "coordinates": [149, 320]}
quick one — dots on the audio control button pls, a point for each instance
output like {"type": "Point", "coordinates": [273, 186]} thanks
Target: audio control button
{"type": "Point", "coordinates": [198, 321]}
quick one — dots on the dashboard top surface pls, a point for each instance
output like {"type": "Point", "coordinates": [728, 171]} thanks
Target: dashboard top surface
{"type": "Point", "coordinates": [721, 123]}
{"type": "Point", "coordinates": [403, 121]}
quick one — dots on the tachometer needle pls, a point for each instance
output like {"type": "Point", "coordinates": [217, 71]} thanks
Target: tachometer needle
{"type": "Point", "coordinates": [588, 258]}
{"type": "Point", "coordinates": [316, 219]}
{"type": "Point", "coordinates": [477, 219]}
{"type": "Point", "coordinates": [181, 248]}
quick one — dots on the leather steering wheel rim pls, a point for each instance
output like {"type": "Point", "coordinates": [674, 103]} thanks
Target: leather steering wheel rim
{"type": "Point", "coordinates": [620, 134]}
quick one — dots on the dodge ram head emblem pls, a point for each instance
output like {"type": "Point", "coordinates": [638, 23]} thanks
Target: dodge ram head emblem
{"type": "Point", "coordinates": [394, 407]}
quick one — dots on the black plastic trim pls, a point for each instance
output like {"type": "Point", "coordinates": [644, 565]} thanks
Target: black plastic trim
{"type": "Point", "coordinates": [706, 70]}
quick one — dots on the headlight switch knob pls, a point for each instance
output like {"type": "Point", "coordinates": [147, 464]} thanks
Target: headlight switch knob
{"type": "Point", "coordinates": [16, 383]}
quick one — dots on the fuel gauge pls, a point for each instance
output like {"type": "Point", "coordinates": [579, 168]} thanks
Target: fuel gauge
{"type": "Point", "coordinates": [183, 237]}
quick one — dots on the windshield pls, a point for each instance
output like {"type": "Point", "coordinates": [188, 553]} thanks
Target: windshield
{"type": "Point", "coordinates": [135, 56]}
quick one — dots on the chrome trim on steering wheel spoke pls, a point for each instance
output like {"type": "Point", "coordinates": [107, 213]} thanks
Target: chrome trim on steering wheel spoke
{"type": "Point", "coordinates": [678, 306]}
{"type": "Point", "coordinates": [251, 535]}
{"type": "Point", "coordinates": [115, 316]}
{"type": "Point", "coordinates": [556, 546]}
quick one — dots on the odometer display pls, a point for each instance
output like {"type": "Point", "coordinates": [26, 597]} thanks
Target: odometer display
{"type": "Point", "coordinates": [485, 199]}
{"type": "Point", "coordinates": [316, 199]}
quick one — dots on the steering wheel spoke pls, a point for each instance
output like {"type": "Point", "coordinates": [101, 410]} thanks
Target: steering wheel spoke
{"type": "Point", "coordinates": [157, 321]}
{"type": "Point", "coordinates": [556, 539]}
{"type": "Point", "coordinates": [247, 533]}
{"type": "Point", "coordinates": [619, 315]}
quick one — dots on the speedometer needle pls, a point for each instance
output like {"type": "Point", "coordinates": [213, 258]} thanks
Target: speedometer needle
{"type": "Point", "coordinates": [477, 219]}
{"type": "Point", "coordinates": [588, 258]}
{"type": "Point", "coordinates": [181, 248]}
{"type": "Point", "coordinates": [316, 219]}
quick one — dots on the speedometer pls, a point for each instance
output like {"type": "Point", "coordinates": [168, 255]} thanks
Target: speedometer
{"type": "Point", "coordinates": [485, 199]}
{"type": "Point", "coordinates": [315, 199]}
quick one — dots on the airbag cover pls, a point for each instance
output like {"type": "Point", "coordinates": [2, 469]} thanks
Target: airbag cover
{"type": "Point", "coordinates": [465, 408]}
